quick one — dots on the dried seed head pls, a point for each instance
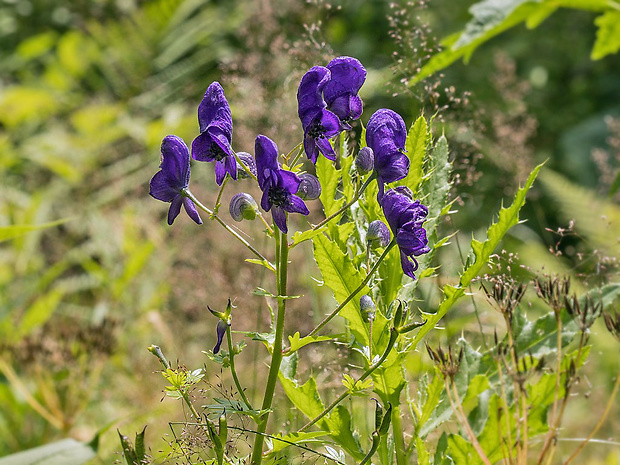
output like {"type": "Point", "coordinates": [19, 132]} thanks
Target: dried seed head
{"type": "Point", "coordinates": [553, 290]}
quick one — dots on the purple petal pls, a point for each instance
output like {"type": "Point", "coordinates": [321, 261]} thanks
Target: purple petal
{"type": "Point", "coordinates": [356, 107]}
{"type": "Point", "coordinates": [214, 108]}
{"type": "Point", "coordinates": [325, 147]}
{"type": "Point", "coordinates": [264, 201]}
{"type": "Point", "coordinates": [311, 149]}
{"type": "Point", "coordinates": [289, 181]}
{"type": "Point", "coordinates": [201, 147]}
{"type": "Point", "coordinates": [231, 166]}
{"type": "Point", "coordinates": [266, 154]}
{"type": "Point", "coordinates": [348, 76]}
{"type": "Point", "coordinates": [220, 172]}
{"type": "Point", "coordinates": [409, 266]}
{"type": "Point", "coordinates": [190, 208]}
{"type": "Point", "coordinates": [386, 123]}
{"type": "Point", "coordinates": [220, 331]}
{"type": "Point", "coordinates": [161, 189]}
{"type": "Point", "coordinates": [175, 161]}
{"type": "Point", "coordinates": [296, 205]}
{"type": "Point", "coordinates": [393, 167]}
{"type": "Point", "coordinates": [279, 218]}
{"type": "Point", "coordinates": [310, 94]}
{"type": "Point", "coordinates": [175, 208]}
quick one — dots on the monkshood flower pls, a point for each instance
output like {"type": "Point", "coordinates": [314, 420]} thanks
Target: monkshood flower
{"type": "Point", "coordinates": [310, 187]}
{"type": "Point", "coordinates": [171, 181]}
{"type": "Point", "coordinates": [214, 141]}
{"type": "Point", "coordinates": [279, 186]}
{"type": "Point", "coordinates": [385, 135]}
{"type": "Point", "coordinates": [319, 124]}
{"type": "Point", "coordinates": [243, 207]}
{"type": "Point", "coordinates": [378, 234]}
{"type": "Point", "coordinates": [347, 77]}
{"type": "Point", "coordinates": [405, 218]}
{"type": "Point", "coordinates": [247, 160]}
{"type": "Point", "coordinates": [220, 332]}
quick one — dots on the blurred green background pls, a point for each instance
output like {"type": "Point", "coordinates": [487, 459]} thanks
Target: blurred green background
{"type": "Point", "coordinates": [88, 89]}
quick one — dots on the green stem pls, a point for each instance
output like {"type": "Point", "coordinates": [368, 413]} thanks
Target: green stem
{"type": "Point", "coordinates": [233, 371]}
{"type": "Point", "coordinates": [328, 318]}
{"type": "Point", "coordinates": [216, 207]}
{"type": "Point", "coordinates": [399, 438]}
{"type": "Point", "coordinates": [214, 216]}
{"type": "Point", "coordinates": [276, 356]}
{"type": "Point", "coordinates": [366, 374]}
{"type": "Point", "coordinates": [347, 205]}
{"type": "Point", "coordinates": [245, 167]}
{"type": "Point", "coordinates": [300, 150]}
{"type": "Point", "coordinates": [375, 445]}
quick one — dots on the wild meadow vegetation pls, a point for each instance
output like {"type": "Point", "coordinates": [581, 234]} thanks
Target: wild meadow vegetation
{"type": "Point", "coordinates": [377, 232]}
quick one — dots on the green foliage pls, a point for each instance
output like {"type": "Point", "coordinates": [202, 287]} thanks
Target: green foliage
{"type": "Point", "coordinates": [65, 452]}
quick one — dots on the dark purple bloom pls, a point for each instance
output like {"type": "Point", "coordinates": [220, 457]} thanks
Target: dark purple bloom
{"type": "Point", "coordinates": [378, 234]}
{"type": "Point", "coordinates": [347, 77]}
{"type": "Point", "coordinates": [279, 186]}
{"type": "Point", "coordinates": [318, 122]}
{"type": "Point", "coordinates": [310, 187]}
{"type": "Point", "coordinates": [405, 218]}
{"type": "Point", "coordinates": [365, 161]}
{"type": "Point", "coordinates": [220, 330]}
{"type": "Point", "coordinates": [247, 160]}
{"type": "Point", "coordinates": [214, 141]}
{"type": "Point", "coordinates": [170, 182]}
{"type": "Point", "coordinates": [385, 135]}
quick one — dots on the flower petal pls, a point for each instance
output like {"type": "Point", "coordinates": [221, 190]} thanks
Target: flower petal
{"type": "Point", "coordinates": [409, 266]}
{"type": "Point", "coordinates": [231, 166]}
{"type": "Point", "coordinates": [220, 171]}
{"type": "Point", "coordinates": [325, 147]}
{"type": "Point", "coordinates": [266, 154]}
{"type": "Point", "coordinates": [296, 205]}
{"type": "Point", "coordinates": [310, 94]}
{"type": "Point", "coordinates": [279, 218]}
{"type": "Point", "coordinates": [175, 161]}
{"type": "Point", "coordinates": [214, 108]}
{"type": "Point", "coordinates": [190, 208]}
{"type": "Point", "coordinates": [161, 189]}
{"type": "Point", "coordinates": [175, 208]}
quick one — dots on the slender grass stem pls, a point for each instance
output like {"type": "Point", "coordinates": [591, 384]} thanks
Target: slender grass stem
{"type": "Point", "coordinates": [214, 216]}
{"type": "Point", "coordinates": [276, 356]}
{"type": "Point", "coordinates": [348, 204]}
{"type": "Point", "coordinates": [217, 204]}
{"type": "Point", "coordinates": [329, 317]}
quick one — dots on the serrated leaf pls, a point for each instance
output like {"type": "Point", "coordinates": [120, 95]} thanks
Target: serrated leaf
{"type": "Point", "coordinates": [300, 237]}
{"type": "Point", "coordinates": [329, 177]}
{"type": "Point", "coordinates": [296, 342]}
{"type": "Point", "coordinates": [607, 35]}
{"type": "Point", "coordinates": [281, 442]}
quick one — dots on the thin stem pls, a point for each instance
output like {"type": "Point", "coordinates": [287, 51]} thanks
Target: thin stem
{"type": "Point", "coordinates": [347, 205]}
{"type": "Point", "coordinates": [506, 411]}
{"type": "Point", "coordinates": [600, 422]}
{"type": "Point", "coordinates": [214, 216]}
{"type": "Point", "coordinates": [245, 167]}
{"type": "Point", "coordinates": [267, 225]}
{"type": "Point", "coordinates": [399, 438]}
{"type": "Point", "coordinates": [300, 150]}
{"type": "Point", "coordinates": [366, 374]}
{"type": "Point", "coordinates": [329, 317]}
{"type": "Point", "coordinates": [458, 410]}
{"type": "Point", "coordinates": [276, 356]}
{"type": "Point", "coordinates": [216, 207]}
{"type": "Point", "coordinates": [233, 371]}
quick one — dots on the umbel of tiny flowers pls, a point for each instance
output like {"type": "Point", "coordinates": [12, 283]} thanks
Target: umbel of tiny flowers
{"type": "Point", "coordinates": [214, 141]}
{"type": "Point", "coordinates": [279, 186]}
{"type": "Point", "coordinates": [310, 187]}
{"type": "Point", "coordinates": [385, 135]}
{"type": "Point", "coordinates": [406, 217]}
{"type": "Point", "coordinates": [243, 207]}
{"type": "Point", "coordinates": [347, 77]}
{"type": "Point", "coordinates": [319, 124]}
{"type": "Point", "coordinates": [172, 180]}
{"type": "Point", "coordinates": [378, 234]}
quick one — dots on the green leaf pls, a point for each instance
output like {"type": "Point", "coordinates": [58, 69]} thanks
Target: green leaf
{"type": "Point", "coordinates": [356, 387]}
{"type": "Point", "coordinates": [38, 313]}
{"type": "Point", "coordinates": [607, 35]}
{"type": "Point", "coordinates": [10, 232]}
{"type": "Point", "coordinates": [296, 342]}
{"type": "Point", "coordinates": [65, 452]}
{"type": "Point", "coordinates": [300, 237]}
{"type": "Point", "coordinates": [342, 278]}
{"type": "Point", "coordinates": [281, 442]}
{"type": "Point", "coordinates": [264, 263]}
{"type": "Point", "coordinates": [329, 177]}
{"type": "Point", "coordinates": [415, 145]}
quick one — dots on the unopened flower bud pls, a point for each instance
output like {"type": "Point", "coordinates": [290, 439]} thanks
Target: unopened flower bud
{"type": "Point", "coordinates": [248, 160]}
{"type": "Point", "coordinates": [365, 161]}
{"type": "Point", "coordinates": [310, 187]}
{"type": "Point", "coordinates": [378, 234]}
{"type": "Point", "coordinates": [220, 331]}
{"type": "Point", "coordinates": [368, 309]}
{"type": "Point", "coordinates": [243, 207]}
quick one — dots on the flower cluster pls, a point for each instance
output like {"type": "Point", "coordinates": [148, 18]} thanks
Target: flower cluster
{"type": "Point", "coordinates": [328, 102]}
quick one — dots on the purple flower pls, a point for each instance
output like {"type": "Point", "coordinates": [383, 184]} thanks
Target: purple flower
{"type": "Point", "coordinates": [385, 135]}
{"type": "Point", "coordinates": [405, 218]}
{"type": "Point", "coordinates": [214, 141]}
{"type": "Point", "coordinates": [170, 182]}
{"type": "Point", "coordinates": [279, 186]}
{"type": "Point", "coordinates": [365, 161]}
{"type": "Point", "coordinates": [220, 331]}
{"type": "Point", "coordinates": [378, 234]}
{"type": "Point", "coordinates": [318, 122]}
{"type": "Point", "coordinates": [248, 160]}
{"type": "Point", "coordinates": [347, 77]}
